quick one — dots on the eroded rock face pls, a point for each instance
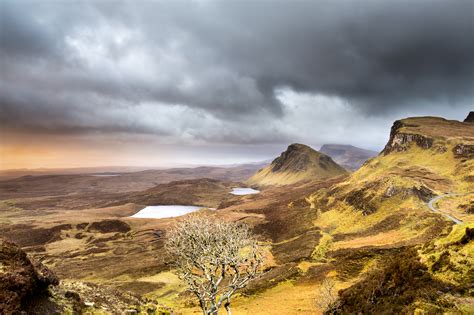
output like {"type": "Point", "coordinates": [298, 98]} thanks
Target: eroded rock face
{"type": "Point", "coordinates": [400, 141]}
{"type": "Point", "coordinates": [462, 151]}
{"type": "Point", "coordinates": [424, 193]}
{"type": "Point", "coordinates": [20, 278]}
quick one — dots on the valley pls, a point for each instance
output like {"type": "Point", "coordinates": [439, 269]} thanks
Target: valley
{"type": "Point", "coordinates": [408, 207]}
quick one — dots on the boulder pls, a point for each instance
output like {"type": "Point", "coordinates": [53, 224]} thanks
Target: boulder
{"type": "Point", "coordinates": [20, 278]}
{"type": "Point", "coordinates": [462, 151]}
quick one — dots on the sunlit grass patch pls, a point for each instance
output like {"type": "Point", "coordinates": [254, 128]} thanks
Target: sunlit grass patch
{"type": "Point", "coordinates": [451, 258]}
{"type": "Point", "coordinates": [169, 294]}
{"type": "Point", "coordinates": [325, 244]}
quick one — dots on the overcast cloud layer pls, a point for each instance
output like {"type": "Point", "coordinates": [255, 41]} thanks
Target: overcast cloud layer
{"type": "Point", "coordinates": [233, 73]}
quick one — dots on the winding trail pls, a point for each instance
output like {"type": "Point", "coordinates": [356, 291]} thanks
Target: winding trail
{"type": "Point", "coordinates": [431, 205]}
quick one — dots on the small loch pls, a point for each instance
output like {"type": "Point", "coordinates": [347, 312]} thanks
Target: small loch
{"type": "Point", "coordinates": [241, 191]}
{"type": "Point", "coordinates": [165, 211]}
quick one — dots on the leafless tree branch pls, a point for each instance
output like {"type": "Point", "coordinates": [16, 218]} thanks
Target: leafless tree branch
{"type": "Point", "coordinates": [214, 258]}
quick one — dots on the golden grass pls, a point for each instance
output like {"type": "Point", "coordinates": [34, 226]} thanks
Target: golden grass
{"type": "Point", "coordinates": [285, 298]}
{"type": "Point", "coordinates": [460, 261]}
{"type": "Point", "coordinates": [169, 294]}
{"type": "Point", "coordinates": [452, 205]}
{"type": "Point", "coordinates": [266, 177]}
{"type": "Point", "coordinates": [380, 239]}
{"type": "Point", "coordinates": [325, 244]}
{"type": "Point", "coordinates": [65, 245]}
{"type": "Point", "coordinates": [304, 266]}
{"type": "Point", "coordinates": [439, 127]}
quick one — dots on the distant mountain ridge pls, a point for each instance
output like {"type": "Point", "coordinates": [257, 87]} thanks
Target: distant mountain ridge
{"type": "Point", "coordinates": [299, 162]}
{"type": "Point", "coordinates": [348, 156]}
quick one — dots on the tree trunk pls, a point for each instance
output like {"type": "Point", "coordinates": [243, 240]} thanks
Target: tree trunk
{"type": "Point", "coordinates": [213, 310]}
{"type": "Point", "coordinates": [203, 307]}
{"type": "Point", "coordinates": [227, 308]}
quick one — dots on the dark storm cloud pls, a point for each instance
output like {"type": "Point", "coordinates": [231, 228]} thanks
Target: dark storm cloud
{"type": "Point", "coordinates": [375, 54]}
{"type": "Point", "coordinates": [95, 65]}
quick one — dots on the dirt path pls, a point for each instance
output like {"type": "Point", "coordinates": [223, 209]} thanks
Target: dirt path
{"type": "Point", "coordinates": [432, 202]}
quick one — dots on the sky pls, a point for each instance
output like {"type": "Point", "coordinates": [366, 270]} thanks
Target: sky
{"type": "Point", "coordinates": [162, 83]}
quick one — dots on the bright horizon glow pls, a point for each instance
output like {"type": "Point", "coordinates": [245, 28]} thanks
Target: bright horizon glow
{"type": "Point", "coordinates": [168, 83]}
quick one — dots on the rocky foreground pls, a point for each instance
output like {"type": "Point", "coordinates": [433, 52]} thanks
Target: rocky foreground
{"type": "Point", "coordinates": [27, 286]}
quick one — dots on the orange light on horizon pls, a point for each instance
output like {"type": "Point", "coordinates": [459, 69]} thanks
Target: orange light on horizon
{"type": "Point", "coordinates": [33, 157]}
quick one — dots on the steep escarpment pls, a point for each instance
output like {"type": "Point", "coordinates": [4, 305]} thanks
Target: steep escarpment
{"type": "Point", "coordinates": [401, 140]}
{"type": "Point", "coordinates": [428, 133]}
{"type": "Point", "coordinates": [383, 205]}
{"type": "Point", "coordinates": [424, 157]}
{"type": "Point", "coordinates": [298, 163]}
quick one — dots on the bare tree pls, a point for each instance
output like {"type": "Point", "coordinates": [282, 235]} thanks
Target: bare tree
{"type": "Point", "coordinates": [327, 297]}
{"type": "Point", "coordinates": [214, 258]}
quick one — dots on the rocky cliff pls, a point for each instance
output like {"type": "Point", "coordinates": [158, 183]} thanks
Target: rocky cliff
{"type": "Point", "coordinates": [433, 133]}
{"type": "Point", "coordinates": [401, 140]}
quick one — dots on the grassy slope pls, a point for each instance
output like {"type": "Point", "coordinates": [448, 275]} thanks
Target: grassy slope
{"type": "Point", "coordinates": [297, 163]}
{"type": "Point", "coordinates": [389, 183]}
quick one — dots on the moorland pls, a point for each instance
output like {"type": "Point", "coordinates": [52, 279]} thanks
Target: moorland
{"type": "Point", "coordinates": [366, 229]}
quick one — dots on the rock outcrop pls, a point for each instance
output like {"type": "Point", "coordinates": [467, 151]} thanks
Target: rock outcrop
{"type": "Point", "coordinates": [20, 278]}
{"type": "Point", "coordinates": [28, 287]}
{"type": "Point", "coordinates": [401, 141]}
{"type": "Point", "coordinates": [464, 151]}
